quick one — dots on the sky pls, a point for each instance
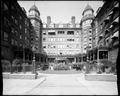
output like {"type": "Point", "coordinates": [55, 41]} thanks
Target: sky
{"type": "Point", "coordinates": [61, 11]}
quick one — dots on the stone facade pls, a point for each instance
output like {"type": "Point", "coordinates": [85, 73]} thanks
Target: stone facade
{"type": "Point", "coordinates": [61, 39]}
{"type": "Point", "coordinates": [86, 21]}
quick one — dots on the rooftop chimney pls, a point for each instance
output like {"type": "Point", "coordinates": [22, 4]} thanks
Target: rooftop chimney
{"type": "Point", "coordinates": [48, 20]}
{"type": "Point", "coordinates": [73, 19]}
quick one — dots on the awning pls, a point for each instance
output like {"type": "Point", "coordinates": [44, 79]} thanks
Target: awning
{"type": "Point", "coordinates": [117, 5]}
{"type": "Point", "coordinates": [107, 19]}
{"type": "Point", "coordinates": [111, 26]}
{"type": "Point", "coordinates": [116, 20]}
{"type": "Point", "coordinates": [116, 34]}
{"type": "Point", "coordinates": [111, 13]}
{"type": "Point", "coordinates": [107, 30]}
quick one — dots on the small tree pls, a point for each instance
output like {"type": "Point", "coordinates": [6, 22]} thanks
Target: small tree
{"type": "Point", "coordinates": [5, 65]}
{"type": "Point", "coordinates": [16, 65]}
{"type": "Point", "coordinates": [109, 64]}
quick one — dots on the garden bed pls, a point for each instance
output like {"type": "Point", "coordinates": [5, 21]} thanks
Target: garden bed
{"type": "Point", "coordinates": [101, 77]}
{"type": "Point", "coordinates": [19, 76]}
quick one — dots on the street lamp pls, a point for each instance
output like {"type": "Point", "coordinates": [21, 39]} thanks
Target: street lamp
{"type": "Point", "coordinates": [33, 61]}
{"type": "Point", "coordinates": [23, 58]}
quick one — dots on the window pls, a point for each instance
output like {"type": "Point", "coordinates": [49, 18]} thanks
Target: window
{"type": "Point", "coordinates": [88, 12]}
{"type": "Point", "coordinates": [25, 30]}
{"type": "Point", "coordinates": [51, 25]}
{"type": "Point", "coordinates": [32, 12]}
{"type": "Point", "coordinates": [28, 24]}
{"type": "Point", "coordinates": [20, 36]}
{"type": "Point", "coordinates": [32, 21]}
{"type": "Point", "coordinates": [12, 30]}
{"type": "Point", "coordinates": [51, 33]}
{"type": "Point", "coordinates": [44, 46]}
{"type": "Point", "coordinates": [12, 7]}
{"type": "Point", "coordinates": [6, 22]}
{"type": "Point", "coordinates": [20, 27]}
{"type": "Point", "coordinates": [60, 32]}
{"type": "Point", "coordinates": [44, 39]}
{"type": "Point", "coordinates": [16, 22]}
{"type": "Point", "coordinates": [60, 39]}
{"type": "Point", "coordinates": [5, 7]}
{"type": "Point", "coordinates": [5, 36]}
{"type": "Point", "coordinates": [70, 32]}
{"type": "Point", "coordinates": [20, 44]}
{"type": "Point", "coordinates": [70, 39]}
{"type": "Point", "coordinates": [25, 38]}
{"type": "Point", "coordinates": [12, 18]}
{"type": "Point", "coordinates": [77, 32]}
{"type": "Point", "coordinates": [20, 18]}
{"type": "Point", "coordinates": [16, 42]}
{"type": "Point", "coordinates": [44, 33]}
{"type": "Point", "coordinates": [16, 32]}
{"type": "Point", "coordinates": [12, 41]}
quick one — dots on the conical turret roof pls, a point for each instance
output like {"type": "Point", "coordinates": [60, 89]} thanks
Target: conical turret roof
{"type": "Point", "coordinates": [34, 8]}
{"type": "Point", "coordinates": [88, 7]}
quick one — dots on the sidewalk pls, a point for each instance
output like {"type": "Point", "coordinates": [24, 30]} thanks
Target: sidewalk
{"type": "Point", "coordinates": [20, 86]}
{"type": "Point", "coordinates": [99, 87]}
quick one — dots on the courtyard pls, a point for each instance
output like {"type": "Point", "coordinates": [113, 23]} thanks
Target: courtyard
{"type": "Point", "coordinates": [59, 83]}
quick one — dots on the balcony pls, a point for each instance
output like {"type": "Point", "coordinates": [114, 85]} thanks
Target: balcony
{"type": "Point", "coordinates": [116, 21]}
{"type": "Point", "coordinates": [107, 33]}
{"type": "Point", "coordinates": [116, 8]}
{"type": "Point", "coordinates": [115, 40]}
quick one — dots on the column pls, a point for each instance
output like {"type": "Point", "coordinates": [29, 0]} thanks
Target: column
{"type": "Point", "coordinates": [75, 60]}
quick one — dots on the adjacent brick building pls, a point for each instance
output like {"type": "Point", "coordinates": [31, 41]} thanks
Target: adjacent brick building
{"type": "Point", "coordinates": [16, 32]}
{"type": "Point", "coordinates": [105, 29]}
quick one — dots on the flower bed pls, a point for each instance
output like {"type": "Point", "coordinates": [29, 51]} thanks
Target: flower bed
{"type": "Point", "coordinates": [101, 77]}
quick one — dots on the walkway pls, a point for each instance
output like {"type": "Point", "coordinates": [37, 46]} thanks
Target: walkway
{"type": "Point", "coordinates": [65, 84]}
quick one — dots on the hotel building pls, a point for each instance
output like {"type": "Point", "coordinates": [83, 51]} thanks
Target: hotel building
{"type": "Point", "coordinates": [62, 41]}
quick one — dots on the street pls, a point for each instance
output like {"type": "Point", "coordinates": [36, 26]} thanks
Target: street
{"type": "Point", "coordinates": [62, 84]}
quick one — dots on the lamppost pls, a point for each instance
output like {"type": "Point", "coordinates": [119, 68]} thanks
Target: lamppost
{"type": "Point", "coordinates": [87, 65]}
{"type": "Point", "coordinates": [33, 61]}
{"type": "Point", "coordinates": [23, 58]}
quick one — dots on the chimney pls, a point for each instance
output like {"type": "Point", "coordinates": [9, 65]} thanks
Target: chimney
{"type": "Point", "coordinates": [48, 20]}
{"type": "Point", "coordinates": [73, 20]}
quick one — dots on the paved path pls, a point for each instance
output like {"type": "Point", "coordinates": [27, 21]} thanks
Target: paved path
{"type": "Point", "coordinates": [64, 84]}
{"type": "Point", "coordinates": [74, 84]}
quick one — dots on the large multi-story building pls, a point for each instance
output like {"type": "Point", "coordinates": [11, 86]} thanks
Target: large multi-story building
{"type": "Point", "coordinates": [86, 37]}
{"type": "Point", "coordinates": [16, 32]}
{"type": "Point", "coordinates": [105, 28]}
{"type": "Point", "coordinates": [62, 41]}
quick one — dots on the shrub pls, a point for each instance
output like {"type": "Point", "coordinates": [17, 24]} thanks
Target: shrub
{"type": "Point", "coordinates": [5, 62]}
{"type": "Point", "coordinates": [5, 65]}
{"type": "Point", "coordinates": [61, 67]}
{"type": "Point", "coordinates": [17, 62]}
{"type": "Point", "coordinates": [107, 63]}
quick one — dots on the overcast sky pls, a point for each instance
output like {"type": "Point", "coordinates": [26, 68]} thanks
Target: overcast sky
{"type": "Point", "coordinates": [61, 11]}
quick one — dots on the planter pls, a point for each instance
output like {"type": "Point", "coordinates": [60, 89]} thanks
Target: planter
{"type": "Point", "coordinates": [101, 77]}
